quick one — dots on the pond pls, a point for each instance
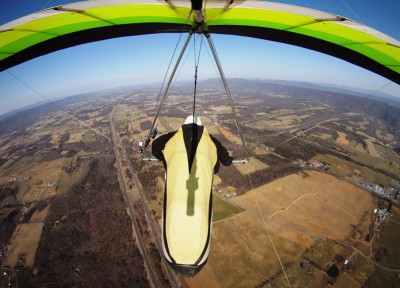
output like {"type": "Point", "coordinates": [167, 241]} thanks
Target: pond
{"type": "Point", "coordinates": [333, 271]}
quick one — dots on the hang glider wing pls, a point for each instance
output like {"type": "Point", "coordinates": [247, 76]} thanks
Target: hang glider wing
{"type": "Point", "coordinates": [73, 24]}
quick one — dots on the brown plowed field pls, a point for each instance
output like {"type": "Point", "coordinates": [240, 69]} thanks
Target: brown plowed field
{"type": "Point", "coordinates": [297, 210]}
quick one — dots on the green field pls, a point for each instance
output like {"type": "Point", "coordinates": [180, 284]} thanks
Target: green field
{"type": "Point", "coordinates": [223, 209]}
{"type": "Point", "coordinates": [324, 251]}
{"type": "Point", "coordinates": [381, 278]}
{"type": "Point", "coordinates": [396, 213]}
{"type": "Point", "coordinates": [120, 123]}
{"type": "Point", "coordinates": [390, 240]}
{"type": "Point", "coordinates": [174, 122]}
{"type": "Point", "coordinates": [89, 136]}
{"type": "Point", "coordinates": [367, 159]}
{"type": "Point", "coordinates": [23, 165]}
{"type": "Point", "coordinates": [297, 277]}
{"type": "Point", "coordinates": [5, 273]}
{"type": "Point", "coordinates": [362, 269]}
{"type": "Point", "coordinates": [343, 168]}
{"type": "Point", "coordinates": [67, 180]}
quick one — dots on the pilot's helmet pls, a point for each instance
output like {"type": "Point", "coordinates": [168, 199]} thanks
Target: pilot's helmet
{"type": "Point", "coordinates": [196, 120]}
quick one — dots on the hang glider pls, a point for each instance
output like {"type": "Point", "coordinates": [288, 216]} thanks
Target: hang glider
{"type": "Point", "coordinates": [73, 24]}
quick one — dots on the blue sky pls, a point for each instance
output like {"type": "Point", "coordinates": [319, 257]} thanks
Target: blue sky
{"type": "Point", "coordinates": [144, 59]}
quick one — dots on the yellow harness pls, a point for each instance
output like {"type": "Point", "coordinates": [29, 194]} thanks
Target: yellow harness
{"type": "Point", "coordinates": [188, 212]}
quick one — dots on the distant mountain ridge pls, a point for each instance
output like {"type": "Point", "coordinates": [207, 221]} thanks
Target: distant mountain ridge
{"type": "Point", "coordinates": [375, 95]}
{"type": "Point", "coordinates": [25, 116]}
{"type": "Point", "coordinates": [15, 111]}
{"type": "Point", "coordinates": [346, 101]}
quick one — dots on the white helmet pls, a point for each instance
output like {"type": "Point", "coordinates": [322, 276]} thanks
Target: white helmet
{"type": "Point", "coordinates": [190, 120]}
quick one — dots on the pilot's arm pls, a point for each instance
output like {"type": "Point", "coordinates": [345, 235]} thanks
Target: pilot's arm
{"type": "Point", "coordinates": [222, 153]}
{"type": "Point", "coordinates": [158, 145]}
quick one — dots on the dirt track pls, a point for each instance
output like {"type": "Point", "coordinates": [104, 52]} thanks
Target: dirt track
{"type": "Point", "coordinates": [298, 209]}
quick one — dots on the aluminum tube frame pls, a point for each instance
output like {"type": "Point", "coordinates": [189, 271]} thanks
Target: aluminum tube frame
{"type": "Point", "coordinates": [147, 141]}
{"type": "Point", "coordinates": [228, 93]}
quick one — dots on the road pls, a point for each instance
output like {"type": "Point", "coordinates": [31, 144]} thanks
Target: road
{"type": "Point", "coordinates": [170, 274]}
{"type": "Point", "coordinates": [313, 236]}
{"type": "Point", "coordinates": [142, 248]}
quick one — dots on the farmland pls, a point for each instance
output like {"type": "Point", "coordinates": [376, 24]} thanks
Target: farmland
{"type": "Point", "coordinates": [306, 194]}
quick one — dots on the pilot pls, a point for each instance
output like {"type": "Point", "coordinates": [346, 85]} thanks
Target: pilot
{"type": "Point", "coordinates": [191, 157]}
{"type": "Point", "coordinates": [191, 129]}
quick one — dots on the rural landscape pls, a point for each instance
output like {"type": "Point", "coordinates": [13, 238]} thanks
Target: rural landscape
{"type": "Point", "coordinates": [317, 204]}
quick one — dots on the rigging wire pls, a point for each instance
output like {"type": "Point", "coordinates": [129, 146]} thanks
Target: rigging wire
{"type": "Point", "coordinates": [147, 140]}
{"type": "Point", "coordinates": [157, 110]}
{"type": "Point", "coordinates": [371, 94]}
{"type": "Point", "coordinates": [228, 93]}
{"type": "Point", "coordinates": [272, 242]}
{"type": "Point", "coordinates": [352, 11]}
{"type": "Point", "coordinates": [181, 67]}
{"type": "Point", "coordinates": [46, 4]}
{"type": "Point", "coordinates": [268, 233]}
{"type": "Point", "coordinates": [359, 18]}
{"type": "Point", "coordinates": [55, 105]}
{"type": "Point", "coordinates": [170, 61]}
{"type": "Point", "coordinates": [215, 68]}
{"type": "Point", "coordinates": [196, 66]}
{"type": "Point", "coordinates": [379, 89]}
{"type": "Point", "coordinates": [295, 136]}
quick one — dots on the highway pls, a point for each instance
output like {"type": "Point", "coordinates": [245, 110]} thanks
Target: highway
{"type": "Point", "coordinates": [142, 248]}
{"type": "Point", "coordinates": [170, 274]}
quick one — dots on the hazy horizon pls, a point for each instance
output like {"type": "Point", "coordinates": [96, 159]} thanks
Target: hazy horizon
{"type": "Point", "coordinates": [144, 59]}
{"type": "Point", "coordinates": [350, 90]}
